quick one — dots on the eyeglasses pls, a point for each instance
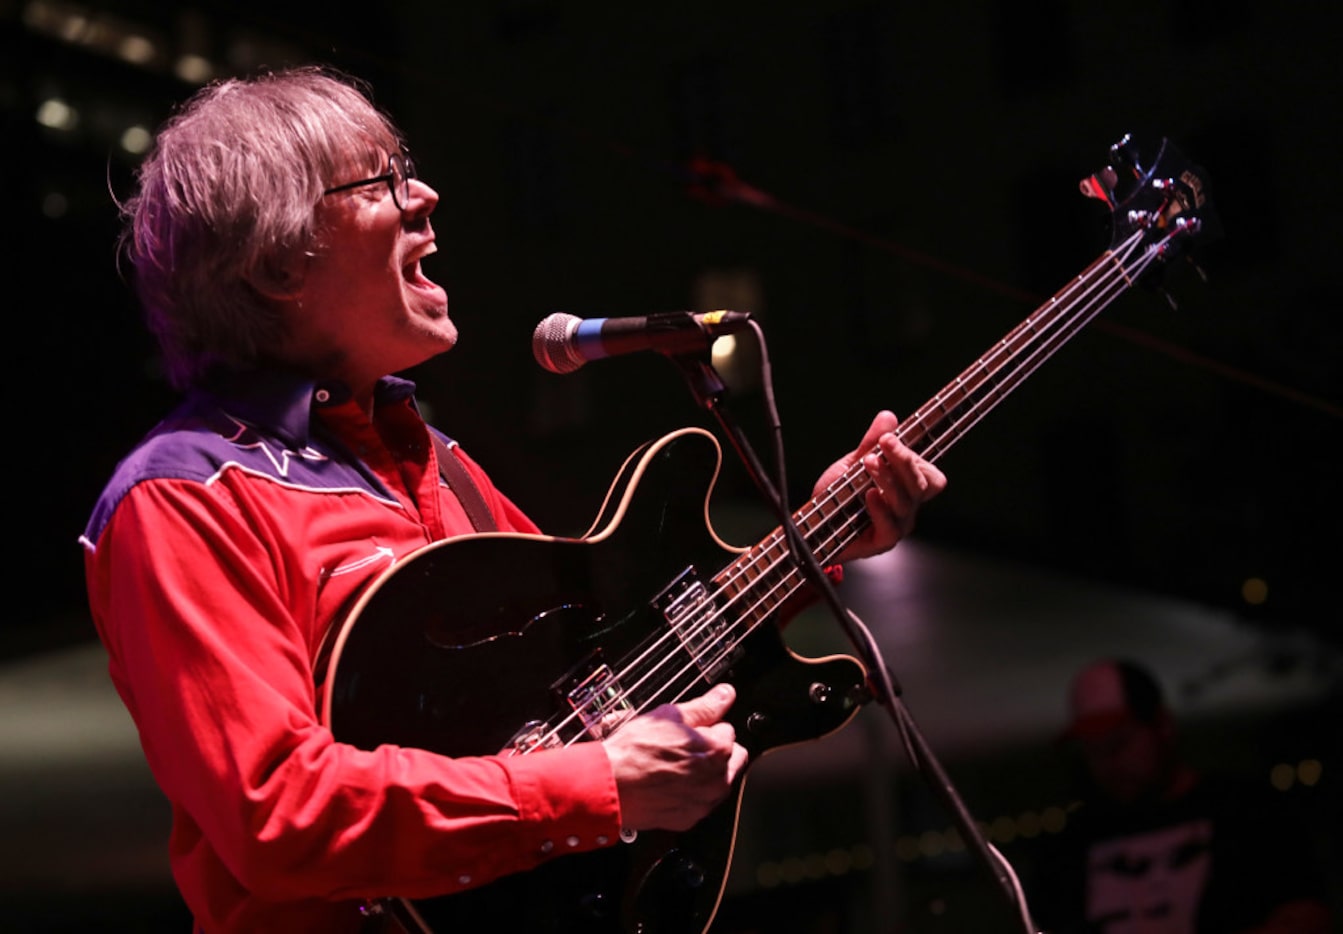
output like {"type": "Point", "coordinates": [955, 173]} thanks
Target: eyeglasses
{"type": "Point", "coordinates": [400, 170]}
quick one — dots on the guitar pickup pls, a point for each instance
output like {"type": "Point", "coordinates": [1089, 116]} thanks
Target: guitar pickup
{"type": "Point", "coordinates": [695, 620]}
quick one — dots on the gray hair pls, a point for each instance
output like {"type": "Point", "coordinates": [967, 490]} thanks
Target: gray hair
{"type": "Point", "coordinates": [227, 200]}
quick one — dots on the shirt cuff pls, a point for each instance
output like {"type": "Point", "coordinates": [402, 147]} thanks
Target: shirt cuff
{"type": "Point", "coordinates": [566, 798]}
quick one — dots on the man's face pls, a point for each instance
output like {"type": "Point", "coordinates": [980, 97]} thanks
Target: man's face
{"type": "Point", "coordinates": [364, 308]}
{"type": "Point", "coordinates": [1128, 762]}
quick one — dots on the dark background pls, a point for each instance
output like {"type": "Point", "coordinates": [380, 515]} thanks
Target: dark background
{"type": "Point", "coordinates": [921, 163]}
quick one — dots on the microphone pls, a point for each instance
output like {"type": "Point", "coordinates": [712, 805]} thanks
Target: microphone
{"type": "Point", "coordinates": [562, 343]}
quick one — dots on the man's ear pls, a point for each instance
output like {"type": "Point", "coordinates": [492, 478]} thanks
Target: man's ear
{"type": "Point", "coordinates": [279, 277]}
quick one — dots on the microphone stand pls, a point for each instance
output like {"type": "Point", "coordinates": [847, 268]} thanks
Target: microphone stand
{"type": "Point", "coordinates": [711, 394]}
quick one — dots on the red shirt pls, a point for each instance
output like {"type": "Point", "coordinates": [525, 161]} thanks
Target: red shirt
{"type": "Point", "coordinates": [220, 553]}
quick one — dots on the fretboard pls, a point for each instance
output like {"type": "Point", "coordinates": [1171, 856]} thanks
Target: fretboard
{"type": "Point", "coordinates": [761, 579]}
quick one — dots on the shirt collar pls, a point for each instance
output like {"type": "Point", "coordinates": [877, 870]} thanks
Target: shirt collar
{"type": "Point", "coordinates": [283, 402]}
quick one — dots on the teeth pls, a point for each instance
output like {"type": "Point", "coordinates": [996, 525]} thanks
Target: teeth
{"type": "Point", "coordinates": [432, 249]}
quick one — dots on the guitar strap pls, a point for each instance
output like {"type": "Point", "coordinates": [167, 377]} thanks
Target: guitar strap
{"type": "Point", "coordinates": [461, 483]}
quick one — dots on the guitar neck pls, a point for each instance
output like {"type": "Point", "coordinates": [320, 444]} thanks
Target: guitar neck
{"type": "Point", "coordinates": [761, 579]}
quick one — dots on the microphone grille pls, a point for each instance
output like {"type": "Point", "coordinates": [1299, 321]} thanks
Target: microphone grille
{"type": "Point", "coordinates": [552, 344]}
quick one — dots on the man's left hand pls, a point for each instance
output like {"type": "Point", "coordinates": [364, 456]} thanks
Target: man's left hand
{"type": "Point", "coordinates": [902, 481]}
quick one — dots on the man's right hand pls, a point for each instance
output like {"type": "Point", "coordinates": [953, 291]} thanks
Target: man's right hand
{"type": "Point", "coordinates": [673, 764]}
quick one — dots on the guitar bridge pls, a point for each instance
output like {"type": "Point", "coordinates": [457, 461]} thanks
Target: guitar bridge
{"type": "Point", "coordinates": [534, 735]}
{"type": "Point", "coordinates": [694, 619]}
{"type": "Point", "coordinates": [600, 702]}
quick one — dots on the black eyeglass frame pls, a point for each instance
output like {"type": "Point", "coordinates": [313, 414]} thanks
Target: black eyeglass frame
{"type": "Point", "coordinates": [407, 172]}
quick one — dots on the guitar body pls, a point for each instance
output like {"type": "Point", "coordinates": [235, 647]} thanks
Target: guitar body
{"type": "Point", "coordinates": [482, 644]}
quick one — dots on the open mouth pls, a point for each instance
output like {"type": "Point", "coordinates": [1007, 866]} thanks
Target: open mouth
{"type": "Point", "coordinates": [415, 276]}
{"type": "Point", "coordinates": [412, 273]}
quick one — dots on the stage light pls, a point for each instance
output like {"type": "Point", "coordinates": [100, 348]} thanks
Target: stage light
{"type": "Point", "coordinates": [194, 69]}
{"type": "Point", "coordinates": [56, 114]}
{"type": "Point", "coordinates": [136, 49]}
{"type": "Point", "coordinates": [838, 862]}
{"type": "Point", "coordinates": [723, 350]}
{"type": "Point", "coordinates": [55, 205]}
{"type": "Point", "coordinates": [1004, 830]}
{"type": "Point", "coordinates": [1309, 772]}
{"type": "Point", "coordinates": [1282, 776]}
{"type": "Point", "coordinates": [931, 843]}
{"type": "Point", "coordinates": [1254, 590]}
{"type": "Point", "coordinates": [136, 140]}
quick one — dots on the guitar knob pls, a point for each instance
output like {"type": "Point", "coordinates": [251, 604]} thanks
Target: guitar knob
{"type": "Point", "coordinates": [757, 722]}
{"type": "Point", "coordinates": [594, 906]}
{"type": "Point", "coordinates": [690, 873]}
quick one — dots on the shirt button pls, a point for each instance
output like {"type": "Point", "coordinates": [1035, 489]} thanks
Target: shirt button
{"type": "Point", "coordinates": [464, 880]}
{"type": "Point", "coordinates": [547, 846]}
{"type": "Point", "coordinates": [571, 842]}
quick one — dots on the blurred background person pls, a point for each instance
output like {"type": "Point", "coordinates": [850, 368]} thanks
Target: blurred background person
{"type": "Point", "coordinates": [1159, 847]}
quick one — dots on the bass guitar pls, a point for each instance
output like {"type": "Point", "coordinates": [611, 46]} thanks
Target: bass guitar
{"type": "Point", "coordinates": [508, 644]}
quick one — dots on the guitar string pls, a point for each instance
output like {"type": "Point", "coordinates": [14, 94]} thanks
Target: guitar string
{"type": "Point", "coordinates": [1060, 327]}
{"type": "Point", "coordinates": [851, 482]}
{"type": "Point", "coordinates": [1110, 287]}
{"type": "Point", "coordinates": [1052, 336]}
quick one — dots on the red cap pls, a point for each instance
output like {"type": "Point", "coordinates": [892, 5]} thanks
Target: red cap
{"type": "Point", "coordinates": [1109, 693]}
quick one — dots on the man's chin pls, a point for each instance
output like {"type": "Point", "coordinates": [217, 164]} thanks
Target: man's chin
{"type": "Point", "coordinates": [435, 319]}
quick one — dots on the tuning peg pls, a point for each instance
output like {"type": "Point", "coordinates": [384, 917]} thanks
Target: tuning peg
{"type": "Point", "coordinates": [1100, 186]}
{"type": "Point", "coordinates": [1125, 152]}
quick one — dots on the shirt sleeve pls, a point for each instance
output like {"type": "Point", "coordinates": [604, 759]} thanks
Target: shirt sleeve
{"type": "Point", "coordinates": [216, 674]}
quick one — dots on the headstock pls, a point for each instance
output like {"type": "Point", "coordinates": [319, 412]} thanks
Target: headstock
{"type": "Point", "coordinates": [1165, 200]}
